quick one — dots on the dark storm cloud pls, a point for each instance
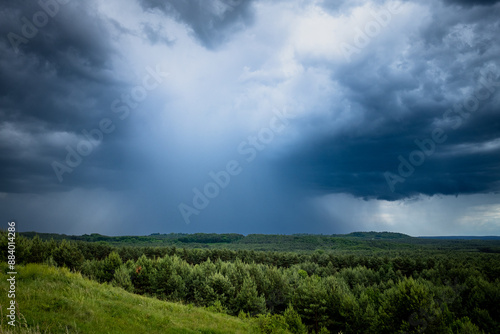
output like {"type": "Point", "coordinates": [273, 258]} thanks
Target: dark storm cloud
{"type": "Point", "coordinates": [73, 40]}
{"type": "Point", "coordinates": [55, 82]}
{"type": "Point", "coordinates": [212, 21]}
{"type": "Point", "coordinates": [469, 3]}
{"type": "Point", "coordinates": [357, 164]}
{"type": "Point", "coordinates": [450, 57]}
{"type": "Point", "coordinates": [353, 119]}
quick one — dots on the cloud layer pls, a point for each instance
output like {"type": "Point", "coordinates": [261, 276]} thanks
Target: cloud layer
{"type": "Point", "coordinates": [114, 115]}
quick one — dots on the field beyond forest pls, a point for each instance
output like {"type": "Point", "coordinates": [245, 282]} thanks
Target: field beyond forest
{"type": "Point", "coordinates": [363, 282]}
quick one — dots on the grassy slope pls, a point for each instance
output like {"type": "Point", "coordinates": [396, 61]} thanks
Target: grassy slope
{"type": "Point", "coordinates": [58, 301]}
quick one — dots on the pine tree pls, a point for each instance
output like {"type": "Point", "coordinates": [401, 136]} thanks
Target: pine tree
{"type": "Point", "coordinates": [248, 300]}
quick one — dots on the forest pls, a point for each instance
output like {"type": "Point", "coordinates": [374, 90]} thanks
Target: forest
{"type": "Point", "coordinates": [358, 283]}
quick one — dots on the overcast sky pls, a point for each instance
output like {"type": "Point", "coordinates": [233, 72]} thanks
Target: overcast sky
{"type": "Point", "coordinates": [140, 116]}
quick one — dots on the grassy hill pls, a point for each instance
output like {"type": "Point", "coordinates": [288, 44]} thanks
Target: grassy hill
{"type": "Point", "coordinates": [55, 300]}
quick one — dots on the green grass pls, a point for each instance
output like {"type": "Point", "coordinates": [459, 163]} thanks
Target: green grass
{"type": "Point", "coordinates": [54, 300]}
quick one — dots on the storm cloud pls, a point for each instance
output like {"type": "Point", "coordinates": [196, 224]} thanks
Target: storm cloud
{"type": "Point", "coordinates": [132, 117]}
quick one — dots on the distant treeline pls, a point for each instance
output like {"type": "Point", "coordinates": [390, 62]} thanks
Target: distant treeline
{"type": "Point", "coordinates": [211, 238]}
{"type": "Point", "coordinates": [406, 291]}
{"type": "Point", "coordinates": [357, 241]}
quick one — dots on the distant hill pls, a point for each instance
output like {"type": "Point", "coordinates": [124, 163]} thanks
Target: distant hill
{"type": "Point", "coordinates": [378, 235]}
{"type": "Point", "coordinates": [465, 237]}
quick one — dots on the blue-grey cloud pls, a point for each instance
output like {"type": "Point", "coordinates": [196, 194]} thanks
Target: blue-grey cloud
{"type": "Point", "coordinates": [450, 61]}
{"type": "Point", "coordinates": [231, 66]}
{"type": "Point", "coordinates": [212, 21]}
